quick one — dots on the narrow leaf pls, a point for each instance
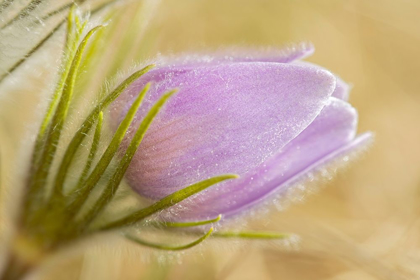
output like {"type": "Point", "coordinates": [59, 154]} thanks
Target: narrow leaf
{"type": "Point", "coordinates": [115, 181]}
{"type": "Point", "coordinates": [168, 201]}
{"type": "Point", "coordinates": [68, 55]}
{"type": "Point", "coordinates": [93, 149]}
{"type": "Point", "coordinates": [187, 224]}
{"type": "Point", "coordinates": [54, 131]}
{"type": "Point", "coordinates": [87, 125]}
{"type": "Point", "coordinates": [169, 247]}
{"type": "Point", "coordinates": [108, 155]}
{"type": "Point", "coordinates": [251, 235]}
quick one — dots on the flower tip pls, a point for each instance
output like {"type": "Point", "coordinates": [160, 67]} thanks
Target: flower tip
{"type": "Point", "coordinates": [308, 47]}
{"type": "Point", "coordinates": [328, 79]}
{"type": "Point", "coordinates": [98, 27]}
{"type": "Point", "coordinates": [171, 92]}
{"type": "Point", "coordinates": [228, 176]}
{"type": "Point", "coordinates": [147, 86]}
{"type": "Point", "coordinates": [210, 231]}
{"type": "Point", "coordinates": [367, 138]}
{"type": "Point", "coordinates": [218, 218]}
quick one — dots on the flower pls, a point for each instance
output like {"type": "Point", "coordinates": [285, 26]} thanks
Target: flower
{"type": "Point", "coordinates": [271, 119]}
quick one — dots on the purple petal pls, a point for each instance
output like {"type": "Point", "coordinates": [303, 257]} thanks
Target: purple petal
{"type": "Point", "coordinates": [329, 137]}
{"type": "Point", "coordinates": [342, 90]}
{"type": "Point", "coordinates": [227, 118]}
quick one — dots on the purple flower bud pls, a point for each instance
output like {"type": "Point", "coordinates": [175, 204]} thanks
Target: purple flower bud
{"type": "Point", "coordinates": [270, 119]}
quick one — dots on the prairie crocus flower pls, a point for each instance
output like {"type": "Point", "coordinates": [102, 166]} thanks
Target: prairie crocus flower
{"type": "Point", "coordinates": [272, 120]}
{"type": "Point", "coordinates": [232, 115]}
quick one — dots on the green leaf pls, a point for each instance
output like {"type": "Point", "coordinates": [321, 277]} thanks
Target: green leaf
{"type": "Point", "coordinates": [39, 180]}
{"type": "Point", "coordinates": [71, 48]}
{"type": "Point", "coordinates": [168, 201]}
{"type": "Point", "coordinates": [108, 155]}
{"type": "Point", "coordinates": [92, 153]}
{"type": "Point", "coordinates": [251, 235]}
{"type": "Point", "coordinates": [85, 128]}
{"type": "Point", "coordinates": [115, 181]}
{"type": "Point", "coordinates": [186, 224]}
{"type": "Point", "coordinates": [169, 247]}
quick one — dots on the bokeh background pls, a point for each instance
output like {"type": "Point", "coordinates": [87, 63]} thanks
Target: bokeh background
{"type": "Point", "coordinates": [365, 223]}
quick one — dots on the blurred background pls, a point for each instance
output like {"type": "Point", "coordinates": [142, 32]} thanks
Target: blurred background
{"type": "Point", "coordinates": [365, 223]}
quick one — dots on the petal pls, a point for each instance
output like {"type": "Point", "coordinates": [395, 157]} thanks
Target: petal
{"type": "Point", "coordinates": [328, 138]}
{"type": "Point", "coordinates": [342, 90]}
{"type": "Point", "coordinates": [228, 118]}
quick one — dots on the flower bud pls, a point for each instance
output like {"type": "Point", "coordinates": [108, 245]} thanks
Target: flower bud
{"type": "Point", "coordinates": [270, 120]}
